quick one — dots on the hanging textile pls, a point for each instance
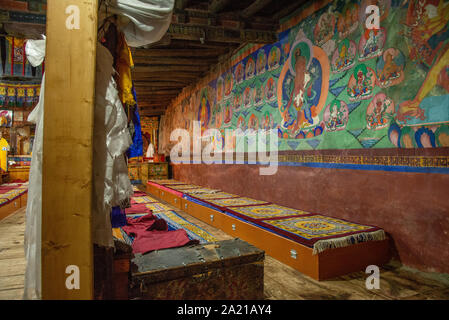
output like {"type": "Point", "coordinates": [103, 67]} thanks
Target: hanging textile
{"type": "Point", "coordinates": [145, 21]}
{"type": "Point", "coordinates": [124, 64]}
{"type": "Point", "coordinates": [136, 149]}
{"type": "Point", "coordinates": [14, 59]}
{"type": "Point", "coordinates": [35, 50]}
{"type": "Point", "coordinates": [111, 182]}
{"type": "Point", "coordinates": [14, 94]}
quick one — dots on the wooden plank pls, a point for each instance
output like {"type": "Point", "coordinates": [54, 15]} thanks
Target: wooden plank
{"type": "Point", "coordinates": [157, 84]}
{"type": "Point", "coordinates": [12, 252]}
{"type": "Point", "coordinates": [198, 61]}
{"type": "Point", "coordinates": [149, 53]}
{"type": "Point", "coordinates": [218, 5]}
{"type": "Point", "coordinates": [173, 75]}
{"type": "Point", "coordinates": [10, 267]}
{"type": "Point", "coordinates": [254, 7]}
{"type": "Point", "coordinates": [12, 282]}
{"type": "Point", "coordinates": [13, 294]}
{"type": "Point", "coordinates": [68, 118]}
{"type": "Point", "coordinates": [140, 68]}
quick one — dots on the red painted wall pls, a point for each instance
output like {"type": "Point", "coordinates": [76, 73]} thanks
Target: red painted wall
{"type": "Point", "coordinates": [413, 208]}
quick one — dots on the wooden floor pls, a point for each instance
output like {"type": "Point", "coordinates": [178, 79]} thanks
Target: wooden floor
{"type": "Point", "coordinates": [281, 281]}
{"type": "Point", "coordinates": [12, 256]}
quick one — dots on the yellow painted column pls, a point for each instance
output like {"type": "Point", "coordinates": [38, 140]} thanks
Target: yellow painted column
{"type": "Point", "coordinates": [67, 250]}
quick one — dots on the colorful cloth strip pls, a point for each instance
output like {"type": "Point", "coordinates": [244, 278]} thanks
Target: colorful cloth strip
{"type": "Point", "coordinates": [194, 232]}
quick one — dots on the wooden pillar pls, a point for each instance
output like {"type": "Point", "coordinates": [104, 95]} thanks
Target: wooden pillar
{"type": "Point", "coordinates": [67, 149]}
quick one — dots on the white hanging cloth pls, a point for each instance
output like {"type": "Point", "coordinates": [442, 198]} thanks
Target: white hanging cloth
{"type": "Point", "coordinates": [111, 182]}
{"type": "Point", "coordinates": [144, 21]}
{"type": "Point", "coordinates": [35, 50]}
{"type": "Point", "coordinates": [111, 140]}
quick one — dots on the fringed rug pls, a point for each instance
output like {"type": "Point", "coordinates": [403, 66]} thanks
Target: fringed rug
{"type": "Point", "coordinates": [216, 195]}
{"type": "Point", "coordinates": [194, 232]}
{"type": "Point", "coordinates": [166, 182]}
{"type": "Point", "coordinates": [183, 187]}
{"type": "Point", "coordinates": [265, 211]}
{"type": "Point", "coordinates": [144, 199]}
{"type": "Point", "coordinates": [174, 222]}
{"type": "Point", "coordinates": [322, 233]}
{"type": "Point", "coordinates": [233, 202]}
{"type": "Point", "coordinates": [200, 191]}
{"type": "Point", "coordinates": [158, 207]}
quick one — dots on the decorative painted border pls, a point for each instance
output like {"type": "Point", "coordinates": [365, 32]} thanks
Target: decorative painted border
{"type": "Point", "coordinates": [402, 161]}
{"type": "Point", "coordinates": [395, 163]}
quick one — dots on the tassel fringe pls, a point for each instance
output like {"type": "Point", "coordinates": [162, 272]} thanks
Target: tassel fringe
{"type": "Point", "coordinates": [322, 245]}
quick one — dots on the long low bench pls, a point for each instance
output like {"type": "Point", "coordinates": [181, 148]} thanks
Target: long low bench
{"type": "Point", "coordinates": [13, 199]}
{"type": "Point", "coordinates": [320, 264]}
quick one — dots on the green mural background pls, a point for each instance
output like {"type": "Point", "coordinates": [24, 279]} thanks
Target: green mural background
{"type": "Point", "coordinates": [331, 83]}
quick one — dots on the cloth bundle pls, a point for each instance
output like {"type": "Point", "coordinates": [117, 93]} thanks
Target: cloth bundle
{"type": "Point", "coordinates": [143, 21]}
{"type": "Point", "coordinates": [151, 233]}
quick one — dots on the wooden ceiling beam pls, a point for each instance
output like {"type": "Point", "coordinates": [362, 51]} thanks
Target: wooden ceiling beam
{"type": "Point", "coordinates": [144, 68]}
{"type": "Point", "coordinates": [175, 61]}
{"type": "Point", "coordinates": [217, 6]}
{"type": "Point", "coordinates": [168, 75]}
{"type": "Point", "coordinates": [289, 9]}
{"type": "Point", "coordinates": [204, 34]}
{"type": "Point", "coordinates": [156, 53]}
{"type": "Point", "coordinates": [153, 111]}
{"type": "Point", "coordinates": [181, 4]}
{"type": "Point", "coordinates": [159, 84]}
{"type": "Point", "coordinates": [142, 88]}
{"type": "Point", "coordinates": [165, 41]}
{"type": "Point", "coordinates": [253, 8]}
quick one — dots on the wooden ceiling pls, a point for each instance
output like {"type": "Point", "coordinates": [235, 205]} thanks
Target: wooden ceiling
{"type": "Point", "coordinates": [202, 34]}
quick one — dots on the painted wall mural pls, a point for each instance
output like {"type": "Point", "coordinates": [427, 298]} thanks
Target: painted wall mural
{"type": "Point", "coordinates": [330, 83]}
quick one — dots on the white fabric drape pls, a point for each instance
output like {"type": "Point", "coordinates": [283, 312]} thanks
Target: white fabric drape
{"type": "Point", "coordinates": [35, 50]}
{"type": "Point", "coordinates": [111, 182]}
{"type": "Point", "coordinates": [146, 21]}
{"type": "Point", "coordinates": [111, 140]}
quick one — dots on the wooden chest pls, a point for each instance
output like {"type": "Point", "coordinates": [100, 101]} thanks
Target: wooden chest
{"type": "Point", "coordinates": [19, 173]}
{"type": "Point", "coordinates": [229, 269]}
{"type": "Point", "coordinates": [144, 173]}
{"type": "Point", "coordinates": [134, 172]}
{"type": "Point", "coordinates": [157, 170]}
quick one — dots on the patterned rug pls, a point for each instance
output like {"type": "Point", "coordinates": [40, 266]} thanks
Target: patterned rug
{"type": "Point", "coordinates": [174, 222]}
{"type": "Point", "coordinates": [166, 182]}
{"type": "Point", "coordinates": [145, 199]}
{"type": "Point", "coordinates": [183, 187]}
{"type": "Point", "coordinates": [119, 234]}
{"type": "Point", "coordinates": [194, 232]}
{"type": "Point", "coordinates": [200, 191]}
{"type": "Point", "coordinates": [322, 233]}
{"type": "Point", "coordinates": [234, 202]}
{"type": "Point", "coordinates": [265, 211]}
{"type": "Point", "coordinates": [12, 194]}
{"type": "Point", "coordinates": [216, 195]}
{"type": "Point", "coordinates": [158, 207]}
